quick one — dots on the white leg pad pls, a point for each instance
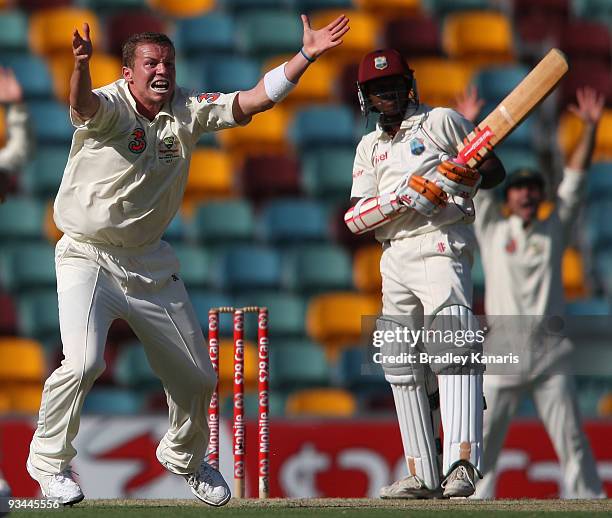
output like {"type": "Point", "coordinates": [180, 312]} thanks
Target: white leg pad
{"type": "Point", "coordinates": [417, 424]}
{"type": "Point", "coordinates": [462, 406]}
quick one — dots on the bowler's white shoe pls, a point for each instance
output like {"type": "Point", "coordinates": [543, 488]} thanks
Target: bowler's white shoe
{"type": "Point", "coordinates": [208, 485]}
{"type": "Point", "coordinates": [60, 487]}
{"type": "Point", "coordinates": [460, 481]}
{"type": "Point", "coordinates": [410, 488]}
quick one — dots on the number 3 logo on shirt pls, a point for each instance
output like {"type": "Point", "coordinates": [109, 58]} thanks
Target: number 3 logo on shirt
{"type": "Point", "coordinates": [138, 143]}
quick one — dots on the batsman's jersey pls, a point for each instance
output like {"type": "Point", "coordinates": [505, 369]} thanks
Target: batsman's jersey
{"type": "Point", "coordinates": [125, 176]}
{"type": "Point", "coordinates": [522, 266]}
{"type": "Point", "coordinates": [424, 140]}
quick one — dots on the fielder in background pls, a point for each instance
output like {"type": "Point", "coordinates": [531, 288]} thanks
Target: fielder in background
{"type": "Point", "coordinates": [19, 144]}
{"type": "Point", "coordinates": [521, 257]}
{"type": "Point", "coordinates": [14, 155]}
{"type": "Point", "coordinates": [427, 241]}
{"type": "Point", "coordinates": [123, 184]}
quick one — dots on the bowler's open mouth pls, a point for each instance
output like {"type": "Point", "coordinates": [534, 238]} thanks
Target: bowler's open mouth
{"type": "Point", "coordinates": [160, 86]}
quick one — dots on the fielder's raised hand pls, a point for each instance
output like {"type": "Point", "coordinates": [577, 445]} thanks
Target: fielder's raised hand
{"type": "Point", "coordinates": [317, 42]}
{"type": "Point", "coordinates": [589, 107]}
{"type": "Point", "coordinates": [82, 49]}
{"type": "Point", "coordinates": [469, 104]}
{"type": "Point", "coordinates": [458, 180]}
{"type": "Point", "coordinates": [10, 89]}
{"type": "Point", "coordinates": [421, 194]}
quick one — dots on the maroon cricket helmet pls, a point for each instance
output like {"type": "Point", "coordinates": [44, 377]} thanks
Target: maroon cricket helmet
{"type": "Point", "coordinates": [382, 63]}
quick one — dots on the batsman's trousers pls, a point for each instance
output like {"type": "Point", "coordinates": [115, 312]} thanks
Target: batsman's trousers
{"type": "Point", "coordinates": [95, 286]}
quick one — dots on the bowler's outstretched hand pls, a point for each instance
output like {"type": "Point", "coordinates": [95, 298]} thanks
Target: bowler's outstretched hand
{"type": "Point", "coordinates": [317, 42]}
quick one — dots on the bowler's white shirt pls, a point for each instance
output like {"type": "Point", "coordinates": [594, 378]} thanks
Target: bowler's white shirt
{"type": "Point", "coordinates": [424, 140]}
{"type": "Point", "coordinates": [125, 176]}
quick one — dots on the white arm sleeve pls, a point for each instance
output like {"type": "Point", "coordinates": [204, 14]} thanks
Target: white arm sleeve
{"type": "Point", "coordinates": [19, 143]}
{"type": "Point", "coordinates": [487, 212]}
{"type": "Point", "coordinates": [569, 197]}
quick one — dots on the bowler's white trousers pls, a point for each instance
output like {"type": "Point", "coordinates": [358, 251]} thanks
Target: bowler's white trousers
{"type": "Point", "coordinates": [95, 286]}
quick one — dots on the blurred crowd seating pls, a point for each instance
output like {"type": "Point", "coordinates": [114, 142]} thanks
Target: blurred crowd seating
{"type": "Point", "coordinates": [262, 218]}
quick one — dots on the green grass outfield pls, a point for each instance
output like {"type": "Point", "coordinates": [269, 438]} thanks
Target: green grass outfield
{"type": "Point", "coordinates": [333, 507]}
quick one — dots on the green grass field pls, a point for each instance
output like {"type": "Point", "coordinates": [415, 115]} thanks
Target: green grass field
{"type": "Point", "coordinates": [334, 507]}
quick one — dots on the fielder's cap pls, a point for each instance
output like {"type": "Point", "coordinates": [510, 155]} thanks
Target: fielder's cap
{"type": "Point", "coordinates": [382, 63]}
{"type": "Point", "coordinates": [523, 176]}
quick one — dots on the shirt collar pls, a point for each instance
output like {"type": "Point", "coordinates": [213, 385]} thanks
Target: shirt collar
{"type": "Point", "coordinates": [166, 109]}
{"type": "Point", "coordinates": [410, 120]}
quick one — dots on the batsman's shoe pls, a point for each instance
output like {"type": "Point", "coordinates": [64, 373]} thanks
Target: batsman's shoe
{"type": "Point", "coordinates": [208, 485]}
{"type": "Point", "coordinates": [60, 487]}
{"type": "Point", "coordinates": [460, 482]}
{"type": "Point", "coordinates": [410, 488]}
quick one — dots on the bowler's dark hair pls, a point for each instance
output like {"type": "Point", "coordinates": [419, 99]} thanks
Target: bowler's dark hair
{"type": "Point", "coordinates": [129, 47]}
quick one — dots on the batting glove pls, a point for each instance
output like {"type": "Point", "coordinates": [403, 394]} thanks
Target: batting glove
{"type": "Point", "coordinates": [458, 180]}
{"type": "Point", "coordinates": [422, 195]}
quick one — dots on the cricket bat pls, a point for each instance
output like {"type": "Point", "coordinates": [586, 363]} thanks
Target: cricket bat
{"type": "Point", "coordinates": [508, 114]}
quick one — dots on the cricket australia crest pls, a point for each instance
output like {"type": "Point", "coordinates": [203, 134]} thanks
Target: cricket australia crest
{"type": "Point", "coordinates": [168, 149]}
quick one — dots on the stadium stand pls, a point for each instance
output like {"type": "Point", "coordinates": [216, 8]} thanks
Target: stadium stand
{"type": "Point", "coordinates": [321, 402]}
{"type": "Point", "coordinates": [20, 220]}
{"type": "Point", "coordinates": [211, 175]}
{"type": "Point", "coordinates": [31, 71]}
{"type": "Point", "coordinates": [434, 92]}
{"type": "Point", "coordinates": [319, 268]}
{"type": "Point", "coordinates": [13, 31]}
{"type": "Point", "coordinates": [50, 29]}
{"type": "Point", "coordinates": [266, 33]}
{"type": "Point", "coordinates": [293, 221]}
{"type": "Point", "coordinates": [326, 173]}
{"type": "Point", "coordinates": [249, 267]}
{"type": "Point", "coordinates": [211, 33]}
{"type": "Point", "coordinates": [416, 36]}
{"type": "Point", "coordinates": [182, 8]}
{"type": "Point", "coordinates": [298, 364]}
{"type": "Point", "coordinates": [223, 222]}
{"type": "Point", "coordinates": [120, 26]}
{"type": "Point", "coordinates": [478, 37]}
{"type": "Point", "coordinates": [286, 310]}
{"type": "Point", "coordinates": [264, 177]}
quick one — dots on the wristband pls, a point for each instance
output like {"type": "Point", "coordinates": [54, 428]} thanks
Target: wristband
{"type": "Point", "coordinates": [276, 83]}
{"type": "Point", "coordinates": [306, 56]}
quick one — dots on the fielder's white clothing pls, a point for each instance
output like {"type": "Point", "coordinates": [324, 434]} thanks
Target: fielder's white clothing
{"type": "Point", "coordinates": [523, 277]}
{"type": "Point", "coordinates": [122, 185]}
{"type": "Point", "coordinates": [426, 262]}
{"type": "Point", "coordinates": [19, 143]}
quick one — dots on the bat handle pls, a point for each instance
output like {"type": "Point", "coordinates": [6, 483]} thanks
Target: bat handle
{"type": "Point", "coordinates": [459, 159]}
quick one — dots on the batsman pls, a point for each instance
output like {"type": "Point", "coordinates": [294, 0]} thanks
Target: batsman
{"type": "Point", "coordinates": [407, 188]}
{"type": "Point", "coordinates": [122, 185]}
